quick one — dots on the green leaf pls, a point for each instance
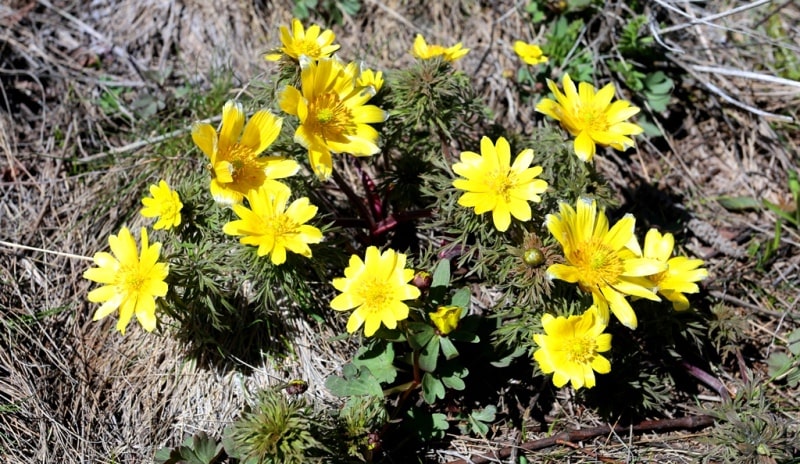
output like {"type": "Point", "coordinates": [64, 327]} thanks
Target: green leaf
{"type": "Point", "coordinates": [780, 212]}
{"type": "Point", "coordinates": [461, 298]}
{"type": "Point", "coordinates": [432, 388]}
{"type": "Point", "coordinates": [793, 342]}
{"type": "Point", "coordinates": [739, 203]}
{"type": "Point", "coordinates": [429, 355]}
{"type": "Point", "coordinates": [441, 276]}
{"type": "Point", "coordinates": [506, 360]}
{"type": "Point", "coordinates": [486, 414]}
{"type": "Point", "coordinates": [426, 426]}
{"type": "Point", "coordinates": [419, 334]}
{"type": "Point", "coordinates": [452, 375]}
{"type": "Point", "coordinates": [379, 359]}
{"type": "Point", "coordinates": [354, 382]}
{"type": "Point", "coordinates": [478, 419]}
{"type": "Point", "coordinates": [778, 364]}
{"type": "Point", "coordinates": [205, 448]}
{"type": "Point", "coordinates": [448, 349]}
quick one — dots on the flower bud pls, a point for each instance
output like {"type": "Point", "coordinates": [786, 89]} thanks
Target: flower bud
{"type": "Point", "coordinates": [422, 280]}
{"type": "Point", "coordinates": [446, 318]}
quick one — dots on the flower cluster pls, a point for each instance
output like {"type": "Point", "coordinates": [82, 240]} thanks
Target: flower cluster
{"type": "Point", "coordinates": [255, 187]}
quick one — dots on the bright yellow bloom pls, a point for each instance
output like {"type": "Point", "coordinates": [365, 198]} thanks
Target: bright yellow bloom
{"type": "Point", "coordinates": [334, 116]}
{"type": "Point", "coordinates": [606, 263]}
{"type": "Point", "coordinates": [131, 282]}
{"type": "Point", "coordinates": [376, 288]}
{"type": "Point", "coordinates": [570, 348]}
{"type": "Point", "coordinates": [300, 41]}
{"type": "Point", "coordinates": [236, 165]}
{"type": "Point", "coordinates": [446, 318]}
{"type": "Point", "coordinates": [681, 273]}
{"type": "Point", "coordinates": [529, 53]}
{"type": "Point", "coordinates": [370, 78]}
{"type": "Point", "coordinates": [493, 184]}
{"type": "Point", "coordinates": [272, 226]}
{"type": "Point", "coordinates": [424, 51]}
{"type": "Point", "coordinates": [591, 117]}
{"type": "Point", "coordinates": [165, 204]}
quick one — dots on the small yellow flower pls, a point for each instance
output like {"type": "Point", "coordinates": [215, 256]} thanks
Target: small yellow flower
{"type": "Point", "coordinates": [313, 43]}
{"type": "Point", "coordinates": [334, 116]}
{"type": "Point", "coordinates": [236, 164]}
{"type": "Point", "coordinates": [681, 273]}
{"type": "Point", "coordinates": [424, 51]}
{"type": "Point", "coordinates": [370, 78]}
{"type": "Point", "coordinates": [131, 282]}
{"type": "Point", "coordinates": [570, 348]}
{"type": "Point", "coordinates": [605, 262]}
{"type": "Point", "coordinates": [165, 204]}
{"type": "Point", "coordinates": [272, 226]}
{"type": "Point", "coordinates": [493, 184]}
{"type": "Point", "coordinates": [529, 53]}
{"type": "Point", "coordinates": [591, 117]}
{"type": "Point", "coordinates": [446, 318]}
{"type": "Point", "coordinates": [376, 288]}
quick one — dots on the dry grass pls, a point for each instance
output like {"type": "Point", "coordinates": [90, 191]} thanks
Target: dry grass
{"type": "Point", "coordinates": [72, 390]}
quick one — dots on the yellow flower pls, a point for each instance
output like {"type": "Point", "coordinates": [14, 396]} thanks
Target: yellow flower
{"type": "Point", "coordinates": [376, 288]}
{"type": "Point", "coordinates": [272, 226]}
{"type": "Point", "coordinates": [424, 51]}
{"type": "Point", "coordinates": [570, 348]}
{"type": "Point", "coordinates": [606, 262]}
{"type": "Point", "coordinates": [529, 53]}
{"type": "Point", "coordinates": [334, 116]}
{"type": "Point", "coordinates": [591, 117]}
{"type": "Point", "coordinates": [164, 204]}
{"type": "Point", "coordinates": [236, 165]}
{"type": "Point", "coordinates": [299, 42]}
{"type": "Point", "coordinates": [681, 273]}
{"type": "Point", "coordinates": [370, 78]}
{"type": "Point", "coordinates": [493, 184]}
{"type": "Point", "coordinates": [131, 282]}
{"type": "Point", "coordinates": [446, 318]}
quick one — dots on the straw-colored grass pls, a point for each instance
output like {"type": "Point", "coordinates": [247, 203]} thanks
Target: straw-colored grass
{"type": "Point", "coordinates": [73, 390]}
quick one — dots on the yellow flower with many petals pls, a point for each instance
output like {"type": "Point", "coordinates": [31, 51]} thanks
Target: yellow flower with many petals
{"type": "Point", "coordinates": [130, 282]}
{"type": "Point", "coordinates": [274, 227]}
{"type": "Point", "coordinates": [529, 53]}
{"type": "Point", "coordinates": [424, 51]}
{"type": "Point", "coordinates": [570, 348]}
{"type": "Point", "coordinates": [605, 262]}
{"type": "Point", "coordinates": [376, 288]}
{"type": "Point", "coordinates": [681, 273]}
{"type": "Point", "coordinates": [591, 117]}
{"type": "Point", "coordinates": [334, 116]}
{"type": "Point", "coordinates": [493, 184]}
{"type": "Point", "coordinates": [236, 164]}
{"type": "Point", "coordinates": [446, 318]}
{"type": "Point", "coordinates": [313, 43]}
{"type": "Point", "coordinates": [165, 204]}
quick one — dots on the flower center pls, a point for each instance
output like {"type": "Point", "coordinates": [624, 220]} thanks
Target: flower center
{"type": "Point", "coordinates": [581, 350]}
{"type": "Point", "coordinates": [594, 119]}
{"type": "Point", "coordinates": [132, 279]}
{"type": "Point", "coordinates": [246, 170]}
{"type": "Point", "coordinates": [599, 264]}
{"type": "Point", "coordinates": [324, 116]}
{"type": "Point", "coordinates": [310, 48]}
{"type": "Point", "coordinates": [501, 184]}
{"type": "Point", "coordinates": [376, 293]}
{"type": "Point", "coordinates": [330, 118]}
{"type": "Point", "coordinates": [283, 225]}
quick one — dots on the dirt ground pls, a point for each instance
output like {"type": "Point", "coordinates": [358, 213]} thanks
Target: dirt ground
{"type": "Point", "coordinates": [73, 390]}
